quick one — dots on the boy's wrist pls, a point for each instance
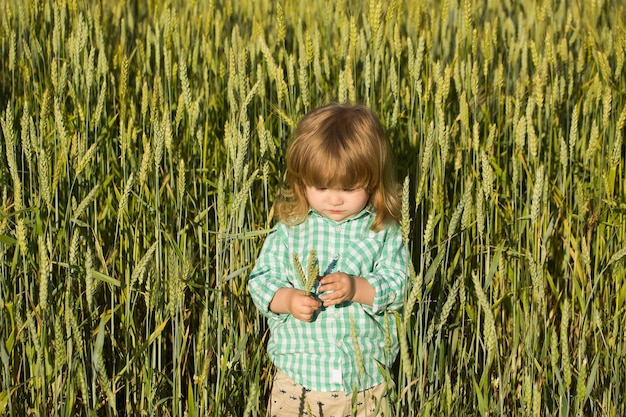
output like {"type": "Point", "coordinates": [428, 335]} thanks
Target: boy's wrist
{"type": "Point", "coordinates": [363, 291]}
{"type": "Point", "coordinates": [281, 303]}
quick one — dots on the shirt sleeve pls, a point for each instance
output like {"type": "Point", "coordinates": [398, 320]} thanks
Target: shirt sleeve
{"type": "Point", "coordinates": [270, 273]}
{"type": "Point", "coordinates": [390, 272]}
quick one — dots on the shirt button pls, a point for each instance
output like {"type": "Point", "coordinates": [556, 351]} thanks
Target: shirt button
{"type": "Point", "coordinates": [338, 344]}
{"type": "Point", "coordinates": [337, 315]}
{"type": "Point", "coordinates": [338, 228]}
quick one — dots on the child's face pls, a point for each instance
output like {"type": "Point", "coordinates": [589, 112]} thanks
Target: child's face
{"type": "Point", "coordinates": [337, 204]}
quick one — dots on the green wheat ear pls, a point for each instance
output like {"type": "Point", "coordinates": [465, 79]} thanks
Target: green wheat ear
{"type": "Point", "coordinates": [308, 280]}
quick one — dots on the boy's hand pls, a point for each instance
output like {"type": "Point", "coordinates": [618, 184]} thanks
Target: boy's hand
{"type": "Point", "coordinates": [303, 307]}
{"type": "Point", "coordinates": [340, 287]}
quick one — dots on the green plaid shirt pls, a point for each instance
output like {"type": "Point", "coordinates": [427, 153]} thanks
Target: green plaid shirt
{"type": "Point", "coordinates": [321, 355]}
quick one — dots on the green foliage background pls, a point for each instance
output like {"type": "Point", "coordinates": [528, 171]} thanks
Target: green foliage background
{"type": "Point", "coordinates": [143, 147]}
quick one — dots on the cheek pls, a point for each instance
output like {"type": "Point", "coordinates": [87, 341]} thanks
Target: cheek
{"type": "Point", "coordinates": [363, 200]}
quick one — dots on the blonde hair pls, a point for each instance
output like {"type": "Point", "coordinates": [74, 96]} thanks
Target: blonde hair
{"type": "Point", "coordinates": [340, 146]}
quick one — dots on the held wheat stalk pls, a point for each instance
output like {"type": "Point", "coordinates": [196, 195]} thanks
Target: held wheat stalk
{"type": "Point", "coordinates": [307, 281]}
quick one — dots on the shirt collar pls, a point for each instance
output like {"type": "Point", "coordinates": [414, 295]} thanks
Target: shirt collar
{"type": "Point", "coordinates": [367, 210]}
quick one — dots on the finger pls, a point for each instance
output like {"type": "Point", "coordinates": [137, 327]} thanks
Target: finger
{"type": "Point", "coordinates": [331, 301]}
{"type": "Point", "coordinates": [330, 279]}
{"type": "Point", "coordinates": [314, 306]}
{"type": "Point", "coordinates": [307, 313]}
{"type": "Point", "coordinates": [329, 287]}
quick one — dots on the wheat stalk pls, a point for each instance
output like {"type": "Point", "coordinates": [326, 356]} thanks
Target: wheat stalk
{"type": "Point", "coordinates": [554, 351]}
{"type": "Point", "coordinates": [530, 129]}
{"type": "Point", "coordinates": [307, 281]}
{"type": "Point", "coordinates": [617, 256]}
{"type": "Point", "coordinates": [12, 51]}
{"type": "Point", "coordinates": [454, 220]}
{"type": "Point", "coordinates": [405, 357]}
{"type": "Point", "coordinates": [527, 386]}
{"type": "Point", "coordinates": [536, 206]}
{"type": "Point", "coordinates": [89, 279]}
{"type": "Point", "coordinates": [82, 382]}
{"type": "Point", "coordinates": [25, 123]}
{"type": "Point", "coordinates": [467, 206]}
{"type": "Point", "coordinates": [36, 341]}
{"type": "Point", "coordinates": [489, 330]}
{"type": "Point", "coordinates": [291, 72]}
{"type": "Point", "coordinates": [425, 165]}
{"type": "Point", "coordinates": [520, 132]}
{"type": "Point", "coordinates": [605, 68]}
{"type": "Point", "coordinates": [563, 153]}
{"type": "Point", "coordinates": [174, 282]}
{"type": "Point", "coordinates": [536, 400]}
{"type": "Point", "coordinates": [281, 30]}
{"type": "Point", "coordinates": [253, 399]}
{"type": "Point", "coordinates": [90, 198]}
{"type": "Point", "coordinates": [9, 140]}
{"type": "Point", "coordinates": [342, 89]}
{"type": "Point", "coordinates": [581, 382]}
{"type": "Point", "coordinates": [84, 161]}
{"type": "Point", "coordinates": [142, 266]}
{"type": "Point", "coordinates": [488, 176]}
{"type": "Point", "coordinates": [121, 207]}
{"type": "Point", "coordinates": [159, 141]}
{"type": "Point", "coordinates": [303, 73]}
{"type": "Point", "coordinates": [44, 179]}
{"type": "Point", "coordinates": [71, 327]}
{"type": "Point", "coordinates": [607, 101]}
{"type": "Point", "coordinates": [480, 216]}
{"type": "Point", "coordinates": [60, 353]}
{"type": "Point", "coordinates": [45, 268]}
{"type": "Point", "coordinates": [405, 222]}
{"type": "Point", "coordinates": [573, 134]}
{"type": "Point", "coordinates": [144, 169]}
{"type": "Point", "coordinates": [99, 365]}
{"type": "Point", "coordinates": [243, 140]}
{"type": "Point", "coordinates": [357, 348]}
{"type": "Point", "coordinates": [536, 275]}
{"type": "Point", "coordinates": [221, 204]}
{"type": "Point", "coordinates": [20, 234]}
{"type": "Point", "coordinates": [594, 141]}
{"type": "Point", "coordinates": [616, 154]}
{"type": "Point", "coordinates": [449, 304]}
{"type": "Point", "coordinates": [564, 353]}
{"type": "Point", "coordinates": [415, 295]}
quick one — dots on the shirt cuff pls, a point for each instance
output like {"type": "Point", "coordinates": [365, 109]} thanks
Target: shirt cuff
{"type": "Point", "coordinates": [386, 297]}
{"type": "Point", "coordinates": [262, 296]}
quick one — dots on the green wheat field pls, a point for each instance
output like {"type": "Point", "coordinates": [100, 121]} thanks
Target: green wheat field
{"type": "Point", "coordinates": [143, 147]}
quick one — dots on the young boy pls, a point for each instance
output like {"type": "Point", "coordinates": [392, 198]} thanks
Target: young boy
{"type": "Point", "coordinates": [332, 350]}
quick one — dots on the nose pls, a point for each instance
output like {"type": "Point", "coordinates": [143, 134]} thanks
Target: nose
{"type": "Point", "coordinates": [335, 198]}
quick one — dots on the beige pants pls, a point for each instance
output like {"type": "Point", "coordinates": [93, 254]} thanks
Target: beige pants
{"type": "Point", "coordinates": [291, 399]}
